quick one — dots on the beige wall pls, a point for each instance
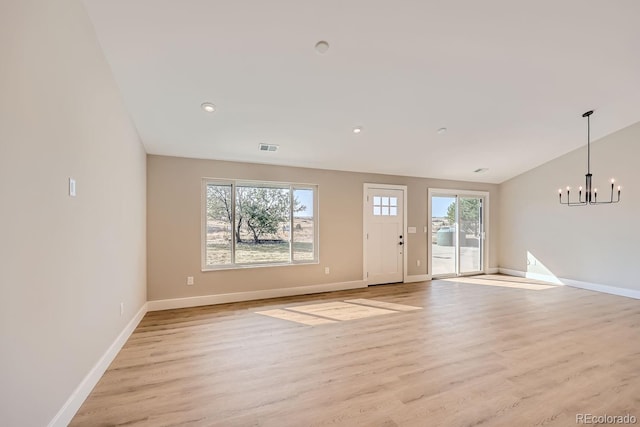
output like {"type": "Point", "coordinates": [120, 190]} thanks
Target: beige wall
{"type": "Point", "coordinates": [597, 244]}
{"type": "Point", "coordinates": [66, 263]}
{"type": "Point", "coordinates": [174, 212]}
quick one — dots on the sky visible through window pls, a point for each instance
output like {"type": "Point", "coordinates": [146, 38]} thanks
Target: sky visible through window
{"type": "Point", "coordinates": [439, 206]}
{"type": "Point", "coordinates": [305, 197]}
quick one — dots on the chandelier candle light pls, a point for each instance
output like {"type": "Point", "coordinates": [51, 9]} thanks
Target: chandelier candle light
{"type": "Point", "coordinates": [590, 196]}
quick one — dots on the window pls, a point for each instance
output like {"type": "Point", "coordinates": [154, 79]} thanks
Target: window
{"type": "Point", "coordinates": [258, 223]}
{"type": "Point", "coordinates": [385, 206]}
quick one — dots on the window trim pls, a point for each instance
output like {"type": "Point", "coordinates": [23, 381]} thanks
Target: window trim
{"type": "Point", "coordinates": [268, 184]}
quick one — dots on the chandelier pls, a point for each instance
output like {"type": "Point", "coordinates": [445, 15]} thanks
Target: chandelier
{"type": "Point", "coordinates": [590, 195]}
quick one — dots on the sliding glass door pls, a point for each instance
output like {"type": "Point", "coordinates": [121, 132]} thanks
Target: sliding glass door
{"type": "Point", "coordinates": [457, 233]}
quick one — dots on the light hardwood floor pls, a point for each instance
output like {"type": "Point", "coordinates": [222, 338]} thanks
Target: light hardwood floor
{"type": "Point", "coordinates": [474, 355]}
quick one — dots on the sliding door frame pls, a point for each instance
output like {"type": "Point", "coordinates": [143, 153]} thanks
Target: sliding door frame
{"type": "Point", "coordinates": [485, 225]}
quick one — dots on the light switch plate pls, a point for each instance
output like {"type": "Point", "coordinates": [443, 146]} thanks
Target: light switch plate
{"type": "Point", "coordinates": [72, 187]}
{"type": "Point", "coordinates": [411, 230]}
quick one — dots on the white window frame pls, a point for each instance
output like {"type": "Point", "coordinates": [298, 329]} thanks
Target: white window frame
{"type": "Point", "coordinates": [243, 182]}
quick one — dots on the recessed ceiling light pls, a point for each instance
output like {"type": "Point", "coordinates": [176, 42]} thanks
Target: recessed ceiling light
{"type": "Point", "coordinates": [481, 170]}
{"type": "Point", "coordinates": [357, 129]}
{"type": "Point", "coordinates": [208, 107]}
{"type": "Point", "coordinates": [322, 47]}
{"type": "Point", "coordinates": [441, 131]}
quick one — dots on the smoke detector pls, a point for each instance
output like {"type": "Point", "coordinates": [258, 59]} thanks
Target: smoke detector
{"type": "Point", "coordinates": [268, 147]}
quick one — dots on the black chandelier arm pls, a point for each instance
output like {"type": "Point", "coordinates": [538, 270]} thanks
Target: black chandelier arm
{"type": "Point", "coordinates": [608, 202]}
{"type": "Point", "coordinates": [568, 203]}
{"type": "Point", "coordinates": [574, 204]}
{"type": "Point", "coordinates": [580, 202]}
{"type": "Point", "coordinates": [605, 203]}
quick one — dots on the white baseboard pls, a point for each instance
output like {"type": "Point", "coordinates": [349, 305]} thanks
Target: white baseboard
{"type": "Point", "coordinates": [509, 272]}
{"type": "Point", "coordinates": [607, 289]}
{"type": "Point", "coordinates": [417, 278]}
{"type": "Point", "coordinates": [544, 278]}
{"type": "Point", "coordinates": [167, 304]}
{"type": "Point", "coordinates": [73, 403]}
{"type": "Point", "coordinates": [492, 270]}
{"type": "Point", "coordinates": [533, 276]}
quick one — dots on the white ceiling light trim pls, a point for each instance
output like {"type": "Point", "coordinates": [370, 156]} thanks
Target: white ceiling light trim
{"type": "Point", "coordinates": [322, 47]}
{"type": "Point", "coordinates": [208, 107]}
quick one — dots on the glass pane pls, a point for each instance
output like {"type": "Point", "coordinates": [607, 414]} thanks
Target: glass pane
{"type": "Point", "coordinates": [393, 211]}
{"type": "Point", "coordinates": [393, 201]}
{"type": "Point", "coordinates": [376, 210]}
{"type": "Point", "coordinates": [303, 230]}
{"type": "Point", "coordinates": [385, 201]}
{"type": "Point", "coordinates": [262, 223]}
{"type": "Point", "coordinates": [376, 200]}
{"type": "Point", "coordinates": [443, 250]}
{"type": "Point", "coordinates": [218, 233]}
{"type": "Point", "coordinates": [469, 217]}
{"type": "Point", "coordinates": [385, 210]}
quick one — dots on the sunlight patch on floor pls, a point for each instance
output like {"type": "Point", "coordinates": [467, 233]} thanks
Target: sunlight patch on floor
{"type": "Point", "coordinates": [382, 304]}
{"type": "Point", "coordinates": [337, 311]}
{"type": "Point", "coordinates": [511, 282]}
{"type": "Point", "coordinates": [296, 317]}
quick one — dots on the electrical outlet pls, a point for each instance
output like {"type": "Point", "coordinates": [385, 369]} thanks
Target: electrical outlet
{"type": "Point", "coordinates": [326, 270]}
{"type": "Point", "coordinates": [121, 308]}
{"type": "Point", "coordinates": [189, 280]}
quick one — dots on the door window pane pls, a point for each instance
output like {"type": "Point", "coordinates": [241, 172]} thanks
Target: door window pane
{"type": "Point", "coordinates": [387, 206]}
{"type": "Point", "coordinates": [469, 211]}
{"type": "Point", "coordinates": [443, 249]}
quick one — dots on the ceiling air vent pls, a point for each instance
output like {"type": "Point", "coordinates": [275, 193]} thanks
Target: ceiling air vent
{"type": "Point", "coordinates": [268, 147]}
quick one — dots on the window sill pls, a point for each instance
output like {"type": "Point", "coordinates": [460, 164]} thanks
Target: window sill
{"type": "Point", "coordinates": [248, 266]}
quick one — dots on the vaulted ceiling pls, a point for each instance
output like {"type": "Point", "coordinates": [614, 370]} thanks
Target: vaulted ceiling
{"type": "Point", "coordinates": [508, 79]}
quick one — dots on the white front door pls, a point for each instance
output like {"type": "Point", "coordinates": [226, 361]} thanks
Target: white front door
{"type": "Point", "coordinates": [385, 238]}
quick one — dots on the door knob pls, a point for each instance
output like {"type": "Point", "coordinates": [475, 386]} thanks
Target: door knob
{"type": "Point", "coordinates": [401, 243]}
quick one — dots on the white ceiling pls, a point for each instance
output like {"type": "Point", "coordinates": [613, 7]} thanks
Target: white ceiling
{"type": "Point", "coordinates": [509, 79]}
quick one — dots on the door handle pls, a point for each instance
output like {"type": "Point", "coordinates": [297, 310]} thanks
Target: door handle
{"type": "Point", "coordinates": [401, 243]}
